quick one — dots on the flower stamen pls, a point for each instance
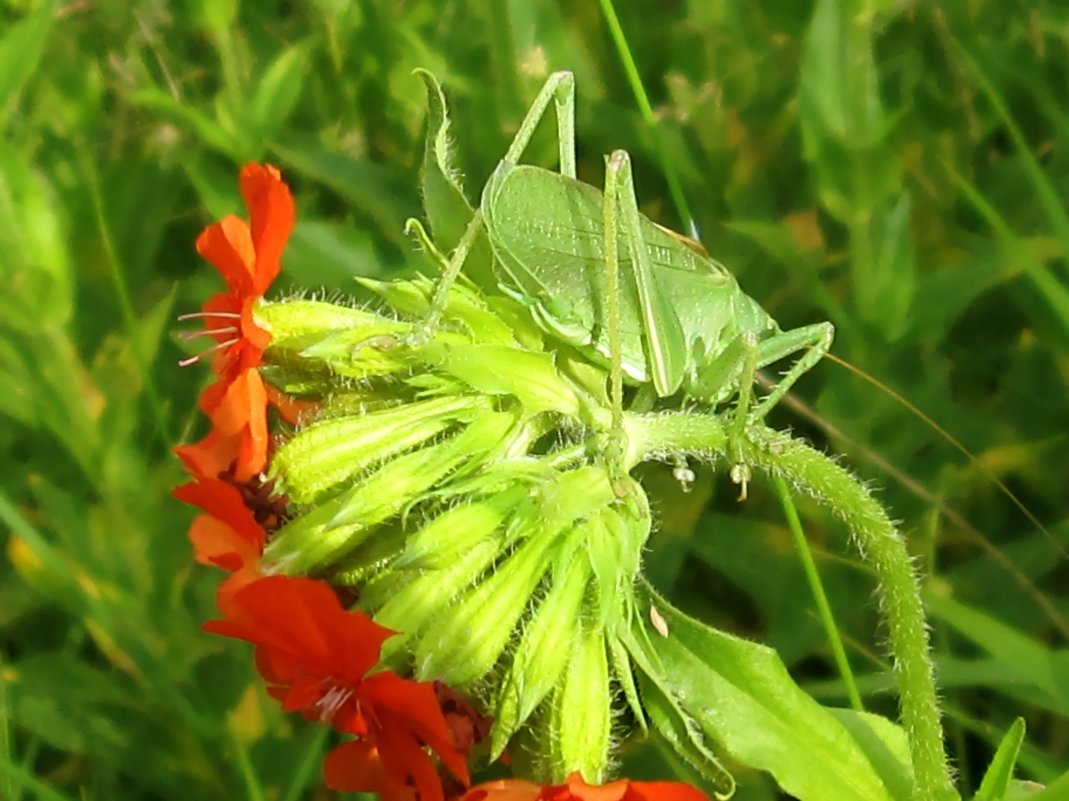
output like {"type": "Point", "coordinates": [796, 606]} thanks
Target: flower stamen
{"type": "Point", "coordinates": [190, 360]}
{"type": "Point", "coordinates": [195, 315]}
{"type": "Point", "coordinates": [207, 332]}
{"type": "Point", "coordinates": [331, 702]}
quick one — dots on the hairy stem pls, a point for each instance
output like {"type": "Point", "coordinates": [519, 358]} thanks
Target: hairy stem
{"type": "Point", "coordinates": [813, 473]}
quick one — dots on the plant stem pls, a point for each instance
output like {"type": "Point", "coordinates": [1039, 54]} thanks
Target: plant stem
{"type": "Point", "coordinates": [880, 544]}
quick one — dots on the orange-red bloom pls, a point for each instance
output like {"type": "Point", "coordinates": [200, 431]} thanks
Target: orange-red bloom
{"type": "Point", "coordinates": [248, 257]}
{"type": "Point", "coordinates": [227, 535]}
{"type": "Point", "coordinates": [316, 656]}
{"type": "Point", "coordinates": [575, 789]}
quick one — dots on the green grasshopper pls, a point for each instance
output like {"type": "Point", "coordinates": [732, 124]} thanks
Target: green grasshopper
{"type": "Point", "coordinates": [600, 276]}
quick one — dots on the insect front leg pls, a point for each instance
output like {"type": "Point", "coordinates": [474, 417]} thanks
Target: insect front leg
{"type": "Point", "coordinates": [661, 329]}
{"type": "Point", "coordinates": [559, 88]}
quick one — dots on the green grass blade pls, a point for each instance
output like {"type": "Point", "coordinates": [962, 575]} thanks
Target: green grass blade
{"type": "Point", "coordinates": [816, 586]}
{"type": "Point", "coordinates": [633, 78]}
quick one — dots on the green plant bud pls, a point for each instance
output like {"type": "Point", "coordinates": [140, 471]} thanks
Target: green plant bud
{"type": "Point", "coordinates": [614, 548]}
{"type": "Point", "coordinates": [475, 630]}
{"type": "Point", "coordinates": [459, 529]}
{"type": "Point", "coordinates": [332, 451]}
{"type": "Point", "coordinates": [531, 377]}
{"type": "Point", "coordinates": [464, 306]}
{"type": "Point", "coordinates": [329, 531]}
{"type": "Point", "coordinates": [306, 334]}
{"type": "Point", "coordinates": [556, 505]}
{"type": "Point", "coordinates": [369, 559]}
{"type": "Point", "coordinates": [542, 654]}
{"type": "Point", "coordinates": [418, 599]}
{"type": "Point", "coordinates": [580, 716]}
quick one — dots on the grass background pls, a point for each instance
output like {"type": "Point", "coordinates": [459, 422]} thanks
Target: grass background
{"type": "Point", "coordinates": [897, 168]}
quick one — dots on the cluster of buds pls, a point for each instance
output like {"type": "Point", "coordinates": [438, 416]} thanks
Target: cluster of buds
{"type": "Point", "coordinates": [424, 540]}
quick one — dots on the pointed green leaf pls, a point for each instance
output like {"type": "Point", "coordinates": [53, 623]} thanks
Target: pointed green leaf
{"type": "Point", "coordinates": [997, 777]}
{"type": "Point", "coordinates": [444, 201]}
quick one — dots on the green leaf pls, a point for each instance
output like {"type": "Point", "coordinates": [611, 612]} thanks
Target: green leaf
{"type": "Point", "coordinates": [996, 782]}
{"type": "Point", "coordinates": [280, 88]}
{"type": "Point", "coordinates": [20, 52]}
{"type": "Point", "coordinates": [208, 130]}
{"type": "Point", "coordinates": [35, 269]}
{"type": "Point", "coordinates": [380, 192]}
{"type": "Point", "coordinates": [1024, 659]}
{"type": "Point", "coordinates": [684, 735]}
{"type": "Point", "coordinates": [840, 113]}
{"type": "Point", "coordinates": [444, 201]}
{"type": "Point", "coordinates": [740, 695]}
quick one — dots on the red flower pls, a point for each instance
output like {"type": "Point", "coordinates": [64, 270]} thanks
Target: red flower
{"type": "Point", "coordinates": [248, 257]}
{"type": "Point", "coordinates": [316, 656]}
{"type": "Point", "coordinates": [575, 789]}
{"type": "Point", "coordinates": [401, 716]}
{"type": "Point", "coordinates": [228, 535]}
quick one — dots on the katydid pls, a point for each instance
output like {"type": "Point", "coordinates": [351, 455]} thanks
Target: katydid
{"type": "Point", "coordinates": [600, 276]}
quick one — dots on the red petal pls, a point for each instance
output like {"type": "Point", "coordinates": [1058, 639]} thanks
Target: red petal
{"type": "Point", "coordinates": [302, 620]}
{"type": "Point", "coordinates": [209, 457]}
{"type": "Point", "coordinates": [663, 791]}
{"type": "Point", "coordinates": [256, 337]}
{"type": "Point", "coordinates": [291, 409]}
{"type": "Point", "coordinates": [398, 704]}
{"type": "Point", "coordinates": [271, 212]}
{"type": "Point", "coordinates": [216, 543]}
{"type": "Point", "coordinates": [504, 790]}
{"type": "Point", "coordinates": [223, 501]}
{"type": "Point", "coordinates": [577, 787]}
{"type": "Point", "coordinates": [406, 766]}
{"type": "Point", "coordinates": [354, 767]}
{"type": "Point", "coordinates": [228, 245]}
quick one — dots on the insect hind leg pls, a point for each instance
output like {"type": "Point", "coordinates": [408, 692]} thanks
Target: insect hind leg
{"type": "Point", "coordinates": [814, 339]}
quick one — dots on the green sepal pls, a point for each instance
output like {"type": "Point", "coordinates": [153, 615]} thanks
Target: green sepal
{"type": "Point", "coordinates": [329, 531]}
{"type": "Point", "coordinates": [439, 542]}
{"type": "Point", "coordinates": [493, 369]}
{"type": "Point", "coordinates": [542, 654]}
{"type": "Point", "coordinates": [470, 639]}
{"type": "Point", "coordinates": [614, 546]}
{"type": "Point", "coordinates": [580, 716]}
{"type": "Point", "coordinates": [465, 307]}
{"type": "Point", "coordinates": [407, 601]}
{"type": "Point", "coordinates": [332, 451]}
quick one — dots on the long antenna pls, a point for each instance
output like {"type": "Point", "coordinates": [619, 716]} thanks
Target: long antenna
{"type": "Point", "coordinates": [956, 443]}
{"type": "Point", "coordinates": [950, 513]}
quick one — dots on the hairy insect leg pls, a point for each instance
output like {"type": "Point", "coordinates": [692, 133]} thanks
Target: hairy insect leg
{"type": "Point", "coordinates": [618, 445]}
{"type": "Point", "coordinates": [814, 339]}
{"type": "Point", "coordinates": [740, 471]}
{"type": "Point", "coordinates": [660, 324]}
{"type": "Point", "coordinates": [559, 88]}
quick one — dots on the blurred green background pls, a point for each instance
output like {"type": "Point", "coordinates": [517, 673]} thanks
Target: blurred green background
{"type": "Point", "coordinates": [897, 168]}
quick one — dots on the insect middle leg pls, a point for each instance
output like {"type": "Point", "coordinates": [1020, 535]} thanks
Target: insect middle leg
{"type": "Point", "coordinates": [558, 88]}
{"type": "Point", "coordinates": [737, 365]}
